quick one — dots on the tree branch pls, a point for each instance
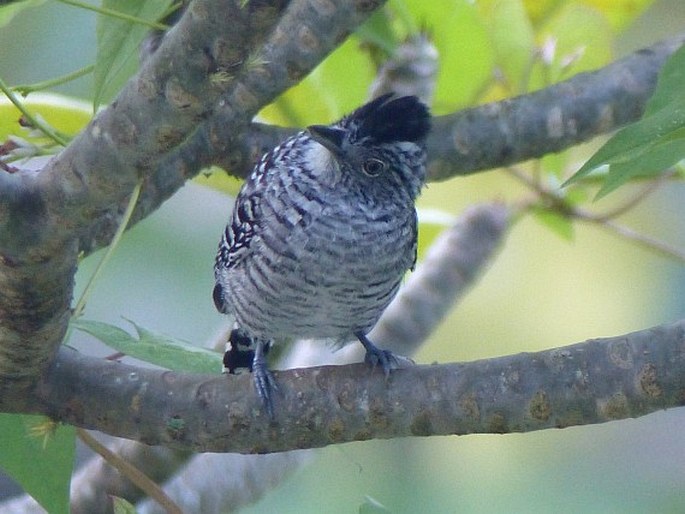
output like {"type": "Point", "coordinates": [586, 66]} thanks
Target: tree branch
{"type": "Point", "coordinates": [204, 67]}
{"type": "Point", "coordinates": [550, 120]}
{"type": "Point", "coordinates": [516, 129]}
{"type": "Point", "coordinates": [592, 382]}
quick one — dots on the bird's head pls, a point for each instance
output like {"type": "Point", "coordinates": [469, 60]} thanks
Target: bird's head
{"type": "Point", "coordinates": [381, 143]}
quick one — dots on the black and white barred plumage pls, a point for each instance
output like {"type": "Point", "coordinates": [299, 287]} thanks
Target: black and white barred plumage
{"type": "Point", "coordinates": [323, 232]}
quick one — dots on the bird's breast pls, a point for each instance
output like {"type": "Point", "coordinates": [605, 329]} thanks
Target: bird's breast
{"type": "Point", "coordinates": [320, 268]}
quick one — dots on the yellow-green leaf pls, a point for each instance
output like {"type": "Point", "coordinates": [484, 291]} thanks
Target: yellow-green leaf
{"type": "Point", "coordinates": [513, 39]}
{"type": "Point", "coordinates": [9, 11]}
{"type": "Point", "coordinates": [578, 38]}
{"type": "Point", "coordinates": [65, 114]}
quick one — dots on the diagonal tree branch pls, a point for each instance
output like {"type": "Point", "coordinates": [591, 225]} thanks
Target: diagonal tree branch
{"type": "Point", "coordinates": [516, 129]}
{"type": "Point", "coordinates": [525, 127]}
{"type": "Point", "coordinates": [203, 66]}
{"type": "Point", "coordinates": [306, 33]}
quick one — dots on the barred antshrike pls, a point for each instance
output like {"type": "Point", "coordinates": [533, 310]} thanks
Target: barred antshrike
{"type": "Point", "coordinates": [322, 233]}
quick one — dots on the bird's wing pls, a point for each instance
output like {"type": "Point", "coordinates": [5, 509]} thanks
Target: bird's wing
{"type": "Point", "coordinates": [240, 232]}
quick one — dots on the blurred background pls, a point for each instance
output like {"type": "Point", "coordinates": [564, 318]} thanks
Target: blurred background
{"type": "Point", "coordinates": [542, 291]}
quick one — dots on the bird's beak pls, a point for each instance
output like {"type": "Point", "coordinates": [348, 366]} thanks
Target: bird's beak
{"type": "Point", "coordinates": [329, 138]}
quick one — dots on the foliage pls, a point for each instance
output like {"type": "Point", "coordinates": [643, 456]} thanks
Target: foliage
{"type": "Point", "coordinates": [157, 349]}
{"type": "Point", "coordinates": [651, 145]}
{"type": "Point", "coordinates": [118, 44]}
{"type": "Point", "coordinates": [39, 455]}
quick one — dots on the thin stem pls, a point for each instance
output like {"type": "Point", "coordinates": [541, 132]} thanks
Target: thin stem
{"type": "Point", "coordinates": [172, 8]}
{"type": "Point", "coordinates": [80, 305]}
{"type": "Point", "coordinates": [628, 233]}
{"type": "Point", "coordinates": [25, 89]}
{"type": "Point", "coordinates": [602, 220]}
{"type": "Point", "coordinates": [651, 187]}
{"type": "Point", "coordinates": [137, 477]}
{"type": "Point", "coordinates": [35, 122]}
{"type": "Point", "coordinates": [115, 14]}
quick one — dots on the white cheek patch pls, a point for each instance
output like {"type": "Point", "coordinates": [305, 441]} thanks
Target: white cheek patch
{"type": "Point", "coordinates": [321, 162]}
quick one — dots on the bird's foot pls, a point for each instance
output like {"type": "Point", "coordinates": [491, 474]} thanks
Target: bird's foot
{"type": "Point", "coordinates": [246, 353]}
{"type": "Point", "coordinates": [264, 381]}
{"type": "Point", "coordinates": [240, 352]}
{"type": "Point", "coordinates": [384, 358]}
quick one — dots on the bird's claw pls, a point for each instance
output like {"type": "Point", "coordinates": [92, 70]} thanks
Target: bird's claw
{"type": "Point", "coordinates": [264, 381]}
{"type": "Point", "coordinates": [265, 385]}
{"type": "Point", "coordinates": [387, 360]}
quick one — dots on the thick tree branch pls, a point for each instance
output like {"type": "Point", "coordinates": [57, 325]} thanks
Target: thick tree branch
{"type": "Point", "coordinates": [592, 382]}
{"type": "Point", "coordinates": [204, 67]}
{"type": "Point", "coordinates": [247, 78]}
{"type": "Point", "coordinates": [549, 120]}
{"type": "Point", "coordinates": [45, 213]}
{"type": "Point", "coordinates": [514, 130]}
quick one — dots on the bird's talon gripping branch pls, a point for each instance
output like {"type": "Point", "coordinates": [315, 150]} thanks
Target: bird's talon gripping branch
{"type": "Point", "coordinates": [377, 356]}
{"type": "Point", "coordinates": [264, 381]}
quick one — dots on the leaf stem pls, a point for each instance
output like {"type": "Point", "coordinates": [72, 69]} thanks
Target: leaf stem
{"type": "Point", "coordinates": [137, 477]}
{"type": "Point", "coordinates": [115, 14]}
{"type": "Point", "coordinates": [25, 89]}
{"type": "Point", "coordinates": [80, 305]}
{"type": "Point", "coordinates": [34, 121]}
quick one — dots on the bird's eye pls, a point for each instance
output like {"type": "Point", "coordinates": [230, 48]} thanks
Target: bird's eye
{"type": "Point", "coordinates": [373, 167]}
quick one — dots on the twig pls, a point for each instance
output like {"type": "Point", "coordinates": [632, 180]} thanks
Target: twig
{"type": "Point", "coordinates": [25, 89]}
{"type": "Point", "coordinates": [632, 235]}
{"type": "Point", "coordinates": [34, 122]}
{"type": "Point", "coordinates": [602, 220]}
{"type": "Point", "coordinates": [115, 14]}
{"type": "Point", "coordinates": [131, 472]}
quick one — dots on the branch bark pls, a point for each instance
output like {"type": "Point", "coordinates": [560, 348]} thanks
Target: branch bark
{"type": "Point", "coordinates": [210, 64]}
{"type": "Point", "coordinates": [592, 382]}
{"type": "Point", "coordinates": [516, 129]}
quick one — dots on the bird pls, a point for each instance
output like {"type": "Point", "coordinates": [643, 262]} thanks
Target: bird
{"type": "Point", "coordinates": [322, 234]}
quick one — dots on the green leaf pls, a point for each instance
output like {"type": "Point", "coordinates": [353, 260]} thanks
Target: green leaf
{"type": "Point", "coordinates": [582, 40]}
{"type": "Point", "coordinates": [9, 11]}
{"type": "Point", "coordinates": [378, 31]}
{"type": "Point", "coordinates": [560, 225]}
{"type": "Point", "coordinates": [512, 37]}
{"type": "Point", "coordinates": [122, 506]}
{"type": "Point", "coordinates": [118, 43]}
{"type": "Point", "coordinates": [669, 89]}
{"type": "Point", "coordinates": [619, 13]}
{"type": "Point", "coordinates": [652, 144]}
{"type": "Point", "coordinates": [466, 52]}
{"type": "Point", "coordinates": [335, 87]}
{"type": "Point", "coordinates": [157, 349]}
{"type": "Point", "coordinates": [42, 466]}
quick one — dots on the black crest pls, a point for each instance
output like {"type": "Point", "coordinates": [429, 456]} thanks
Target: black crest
{"type": "Point", "coordinates": [386, 120]}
